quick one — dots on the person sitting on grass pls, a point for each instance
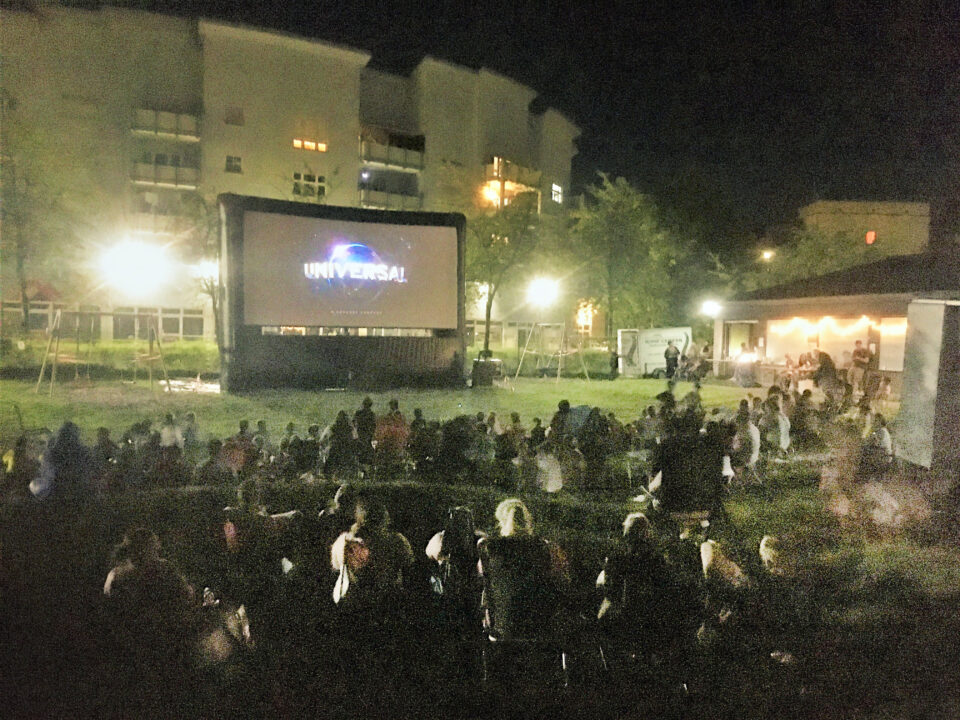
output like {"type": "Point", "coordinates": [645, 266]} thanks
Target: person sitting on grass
{"type": "Point", "coordinates": [745, 448]}
{"type": "Point", "coordinates": [525, 578]}
{"type": "Point", "coordinates": [150, 602]}
{"type": "Point", "coordinates": [643, 603]}
{"type": "Point", "coordinates": [876, 452]}
{"type": "Point", "coordinates": [105, 455]}
{"type": "Point", "coordinates": [67, 462]}
{"type": "Point", "coordinates": [153, 624]}
{"type": "Point", "coordinates": [214, 470]}
{"type": "Point", "coordinates": [455, 579]}
{"type": "Point", "coordinates": [538, 434]}
{"type": "Point", "coordinates": [372, 562]}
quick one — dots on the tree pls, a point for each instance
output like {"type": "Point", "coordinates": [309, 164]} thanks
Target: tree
{"type": "Point", "coordinates": [630, 255]}
{"type": "Point", "coordinates": [202, 233]}
{"type": "Point", "coordinates": [31, 213]}
{"type": "Point", "coordinates": [500, 242]}
{"type": "Point", "coordinates": [806, 252]}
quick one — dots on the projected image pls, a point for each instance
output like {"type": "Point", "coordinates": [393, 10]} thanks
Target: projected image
{"type": "Point", "coordinates": [335, 273]}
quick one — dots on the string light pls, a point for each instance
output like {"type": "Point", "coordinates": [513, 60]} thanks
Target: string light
{"type": "Point", "coordinates": [786, 327]}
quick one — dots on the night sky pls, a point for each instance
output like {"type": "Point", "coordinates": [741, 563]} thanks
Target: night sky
{"type": "Point", "coordinates": [732, 114]}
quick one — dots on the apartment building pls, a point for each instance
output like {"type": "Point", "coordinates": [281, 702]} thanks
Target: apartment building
{"type": "Point", "coordinates": [141, 119]}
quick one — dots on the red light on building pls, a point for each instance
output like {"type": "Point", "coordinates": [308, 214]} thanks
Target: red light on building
{"type": "Point", "coordinates": [871, 237]}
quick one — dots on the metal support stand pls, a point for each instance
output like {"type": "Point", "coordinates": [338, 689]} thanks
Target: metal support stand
{"type": "Point", "coordinates": [55, 342]}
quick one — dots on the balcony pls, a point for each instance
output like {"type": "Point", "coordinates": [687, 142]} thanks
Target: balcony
{"type": "Point", "coordinates": [169, 176]}
{"type": "Point", "coordinates": [501, 169]}
{"type": "Point", "coordinates": [390, 155]}
{"type": "Point", "coordinates": [380, 200]}
{"type": "Point", "coordinates": [168, 125]}
{"type": "Point", "coordinates": [146, 223]}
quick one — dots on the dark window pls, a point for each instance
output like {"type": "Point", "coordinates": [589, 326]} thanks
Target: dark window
{"type": "Point", "coordinates": [193, 326]}
{"type": "Point", "coordinates": [233, 116]}
{"type": "Point", "coordinates": [233, 164]}
{"type": "Point", "coordinates": [171, 325]}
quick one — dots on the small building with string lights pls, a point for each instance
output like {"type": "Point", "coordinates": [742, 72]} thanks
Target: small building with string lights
{"type": "Point", "coordinates": [866, 302]}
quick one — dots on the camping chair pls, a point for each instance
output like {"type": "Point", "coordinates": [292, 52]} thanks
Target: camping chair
{"type": "Point", "coordinates": [521, 600]}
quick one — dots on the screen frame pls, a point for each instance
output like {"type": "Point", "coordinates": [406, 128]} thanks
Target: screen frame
{"type": "Point", "coordinates": [232, 208]}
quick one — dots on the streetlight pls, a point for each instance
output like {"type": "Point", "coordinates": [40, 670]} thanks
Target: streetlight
{"type": "Point", "coordinates": [767, 255]}
{"type": "Point", "coordinates": [543, 292]}
{"type": "Point", "coordinates": [711, 308]}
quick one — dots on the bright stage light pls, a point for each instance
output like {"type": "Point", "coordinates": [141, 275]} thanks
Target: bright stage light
{"type": "Point", "coordinates": [711, 308]}
{"type": "Point", "coordinates": [135, 269]}
{"type": "Point", "coordinates": [543, 292]}
{"type": "Point", "coordinates": [206, 270]}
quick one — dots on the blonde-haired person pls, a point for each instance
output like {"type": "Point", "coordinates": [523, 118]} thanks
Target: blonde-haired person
{"type": "Point", "coordinates": [642, 601]}
{"type": "Point", "coordinates": [513, 518]}
{"type": "Point", "coordinates": [525, 577]}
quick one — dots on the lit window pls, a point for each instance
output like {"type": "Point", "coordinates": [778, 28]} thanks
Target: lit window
{"type": "Point", "coordinates": [233, 164]}
{"type": "Point", "coordinates": [497, 165]}
{"type": "Point", "coordinates": [301, 144]}
{"type": "Point", "coordinates": [556, 193]}
{"type": "Point", "coordinates": [871, 237]}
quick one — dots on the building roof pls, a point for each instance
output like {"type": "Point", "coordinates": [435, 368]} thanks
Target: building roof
{"type": "Point", "coordinates": [922, 273]}
{"type": "Point", "coordinates": [864, 207]}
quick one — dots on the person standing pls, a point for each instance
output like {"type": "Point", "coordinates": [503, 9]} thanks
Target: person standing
{"type": "Point", "coordinates": [365, 422]}
{"type": "Point", "coordinates": [861, 361]}
{"type": "Point", "coordinates": [672, 356]}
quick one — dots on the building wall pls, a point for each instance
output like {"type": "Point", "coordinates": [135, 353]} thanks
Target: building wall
{"type": "Point", "coordinates": [505, 119]}
{"type": "Point", "coordinates": [84, 80]}
{"type": "Point", "coordinates": [287, 88]}
{"type": "Point", "coordinates": [555, 151]}
{"type": "Point", "coordinates": [902, 228]}
{"type": "Point", "coordinates": [388, 101]}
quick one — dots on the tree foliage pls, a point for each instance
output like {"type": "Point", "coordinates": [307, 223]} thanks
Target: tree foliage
{"type": "Point", "coordinates": [500, 243]}
{"type": "Point", "coordinates": [628, 254]}
{"type": "Point", "coordinates": [36, 244]}
{"type": "Point", "coordinates": [804, 253]}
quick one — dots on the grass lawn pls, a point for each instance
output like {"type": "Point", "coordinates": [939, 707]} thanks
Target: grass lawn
{"type": "Point", "coordinates": [118, 405]}
{"type": "Point", "coordinates": [881, 642]}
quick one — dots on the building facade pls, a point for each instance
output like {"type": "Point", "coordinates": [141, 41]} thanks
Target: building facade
{"type": "Point", "coordinates": [140, 120]}
{"type": "Point", "coordinates": [893, 228]}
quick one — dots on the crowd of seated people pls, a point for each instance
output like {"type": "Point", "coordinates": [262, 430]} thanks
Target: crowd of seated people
{"type": "Point", "coordinates": [654, 608]}
{"type": "Point", "coordinates": [669, 584]}
{"type": "Point", "coordinates": [695, 451]}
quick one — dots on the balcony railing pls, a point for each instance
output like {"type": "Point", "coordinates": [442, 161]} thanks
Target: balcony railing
{"type": "Point", "coordinates": [512, 172]}
{"type": "Point", "coordinates": [389, 201]}
{"type": "Point", "coordinates": [184, 178]}
{"type": "Point", "coordinates": [372, 152]}
{"type": "Point", "coordinates": [145, 223]}
{"type": "Point", "coordinates": [178, 126]}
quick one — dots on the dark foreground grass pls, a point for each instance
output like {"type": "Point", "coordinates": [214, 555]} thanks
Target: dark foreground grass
{"type": "Point", "coordinates": [118, 405]}
{"type": "Point", "coordinates": [877, 636]}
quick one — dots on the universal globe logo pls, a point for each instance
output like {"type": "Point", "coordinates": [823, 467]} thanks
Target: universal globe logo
{"type": "Point", "coordinates": [354, 261]}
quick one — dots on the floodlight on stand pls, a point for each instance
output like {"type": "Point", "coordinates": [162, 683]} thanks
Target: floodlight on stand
{"type": "Point", "coordinates": [543, 292]}
{"type": "Point", "coordinates": [135, 269]}
{"type": "Point", "coordinates": [710, 308]}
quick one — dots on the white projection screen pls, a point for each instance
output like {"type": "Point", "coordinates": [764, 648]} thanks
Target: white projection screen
{"type": "Point", "coordinates": [328, 272]}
